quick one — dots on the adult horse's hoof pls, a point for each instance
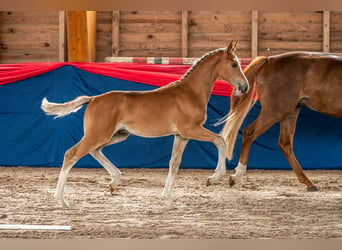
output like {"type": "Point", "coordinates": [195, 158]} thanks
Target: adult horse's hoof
{"type": "Point", "coordinates": [312, 188]}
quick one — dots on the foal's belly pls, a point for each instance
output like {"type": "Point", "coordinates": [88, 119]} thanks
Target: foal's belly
{"type": "Point", "coordinates": [151, 130]}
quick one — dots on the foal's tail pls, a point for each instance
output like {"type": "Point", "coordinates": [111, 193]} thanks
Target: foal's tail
{"type": "Point", "coordinates": [63, 109]}
{"type": "Point", "coordinates": [240, 106]}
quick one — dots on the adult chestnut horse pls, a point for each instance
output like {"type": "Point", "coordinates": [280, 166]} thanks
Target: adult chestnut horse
{"type": "Point", "coordinates": [179, 108]}
{"type": "Point", "coordinates": [284, 83]}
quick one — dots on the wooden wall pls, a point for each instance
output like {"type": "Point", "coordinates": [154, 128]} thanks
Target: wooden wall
{"type": "Point", "coordinates": [39, 36]}
{"type": "Point", "coordinates": [29, 36]}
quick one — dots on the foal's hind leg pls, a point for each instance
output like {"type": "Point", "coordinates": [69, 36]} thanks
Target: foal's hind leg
{"type": "Point", "coordinates": [113, 171]}
{"type": "Point", "coordinates": [287, 130]}
{"type": "Point", "coordinates": [71, 156]}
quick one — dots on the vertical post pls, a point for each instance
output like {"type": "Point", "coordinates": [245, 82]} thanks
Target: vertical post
{"type": "Point", "coordinates": [61, 39]}
{"type": "Point", "coordinates": [77, 36]}
{"type": "Point", "coordinates": [326, 31]}
{"type": "Point", "coordinates": [91, 28]}
{"type": "Point", "coordinates": [185, 33]}
{"type": "Point", "coordinates": [254, 39]}
{"type": "Point", "coordinates": [115, 33]}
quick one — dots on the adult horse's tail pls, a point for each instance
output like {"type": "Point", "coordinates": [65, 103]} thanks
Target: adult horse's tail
{"type": "Point", "coordinates": [63, 109]}
{"type": "Point", "coordinates": [240, 106]}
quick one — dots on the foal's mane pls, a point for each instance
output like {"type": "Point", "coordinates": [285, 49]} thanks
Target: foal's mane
{"type": "Point", "coordinates": [199, 62]}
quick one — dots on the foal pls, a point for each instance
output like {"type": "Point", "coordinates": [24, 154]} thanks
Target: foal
{"type": "Point", "coordinates": [179, 108]}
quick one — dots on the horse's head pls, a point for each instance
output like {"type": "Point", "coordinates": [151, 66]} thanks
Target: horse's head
{"type": "Point", "coordinates": [229, 69]}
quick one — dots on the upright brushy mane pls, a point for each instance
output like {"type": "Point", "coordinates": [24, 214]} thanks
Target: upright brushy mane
{"type": "Point", "coordinates": [199, 61]}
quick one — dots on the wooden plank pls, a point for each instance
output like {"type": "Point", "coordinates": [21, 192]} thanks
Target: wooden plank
{"type": "Point", "coordinates": [77, 36]}
{"type": "Point", "coordinates": [291, 36]}
{"type": "Point", "coordinates": [24, 57]}
{"type": "Point", "coordinates": [28, 29]}
{"type": "Point", "coordinates": [203, 45]}
{"type": "Point", "coordinates": [219, 37]}
{"type": "Point", "coordinates": [240, 53]}
{"type": "Point", "coordinates": [115, 33]}
{"type": "Point", "coordinates": [289, 46]}
{"type": "Point", "coordinates": [91, 31]}
{"type": "Point", "coordinates": [150, 37]}
{"type": "Point", "coordinates": [148, 18]}
{"type": "Point", "coordinates": [150, 12]}
{"type": "Point", "coordinates": [326, 31]}
{"type": "Point", "coordinates": [104, 17]}
{"type": "Point", "coordinates": [185, 33]}
{"type": "Point", "coordinates": [219, 17]}
{"type": "Point", "coordinates": [291, 17]}
{"type": "Point", "coordinates": [31, 39]}
{"type": "Point", "coordinates": [28, 47]}
{"type": "Point", "coordinates": [61, 37]}
{"type": "Point", "coordinates": [335, 17]}
{"type": "Point", "coordinates": [49, 17]}
{"type": "Point", "coordinates": [254, 39]}
{"type": "Point", "coordinates": [104, 28]}
{"type": "Point", "coordinates": [220, 27]}
{"type": "Point", "coordinates": [150, 27]}
{"type": "Point", "coordinates": [149, 52]}
{"type": "Point", "coordinates": [289, 27]}
{"type": "Point", "coordinates": [153, 46]}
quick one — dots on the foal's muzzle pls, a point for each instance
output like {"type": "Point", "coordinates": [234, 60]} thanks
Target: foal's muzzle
{"type": "Point", "coordinates": [243, 87]}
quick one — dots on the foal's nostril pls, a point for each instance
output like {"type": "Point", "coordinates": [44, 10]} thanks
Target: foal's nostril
{"type": "Point", "coordinates": [243, 88]}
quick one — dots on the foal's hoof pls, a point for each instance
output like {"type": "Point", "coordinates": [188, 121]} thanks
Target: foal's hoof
{"type": "Point", "coordinates": [208, 183]}
{"type": "Point", "coordinates": [312, 188]}
{"type": "Point", "coordinates": [111, 190]}
{"type": "Point", "coordinates": [62, 203]}
{"type": "Point", "coordinates": [231, 181]}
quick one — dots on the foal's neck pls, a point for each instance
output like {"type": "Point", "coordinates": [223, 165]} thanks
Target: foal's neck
{"type": "Point", "coordinates": [201, 77]}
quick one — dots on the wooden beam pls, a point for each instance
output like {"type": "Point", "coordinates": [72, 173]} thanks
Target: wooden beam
{"type": "Point", "coordinates": [61, 39]}
{"type": "Point", "coordinates": [77, 36]}
{"type": "Point", "coordinates": [326, 31]}
{"type": "Point", "coordinates": [115, 33]}
{"type": "Point", "coordinates": [185, 33]}
{"type": "Point", "coordinates": [254, 39]}
{"type": "Point", "coordinates": [91, 29]}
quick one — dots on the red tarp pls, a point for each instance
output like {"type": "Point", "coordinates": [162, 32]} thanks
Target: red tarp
{"type": "Point", "coordinates": [151, 74]}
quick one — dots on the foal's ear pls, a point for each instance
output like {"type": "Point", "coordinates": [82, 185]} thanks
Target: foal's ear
{"type": "Point", "coordinates": [232, 46]}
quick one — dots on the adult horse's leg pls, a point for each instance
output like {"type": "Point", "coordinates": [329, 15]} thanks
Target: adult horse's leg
{"type": "Point", "coordinates": [179, 145]}
{"type": "Point", "coordinates": [113, 171]}
{"type": "Point", "coordinates": [250, 133]}
{"type": "Point", "coordinates": [287, 130]}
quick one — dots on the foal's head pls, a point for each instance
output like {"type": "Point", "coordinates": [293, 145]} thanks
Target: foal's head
{"type": "Point", "coordinates": [229, 69]}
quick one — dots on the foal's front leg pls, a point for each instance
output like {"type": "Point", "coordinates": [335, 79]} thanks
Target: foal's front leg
{"type": "Point", "coordinates": [202, 134]}
{"type": "Point", "coordinates": [179, 145]}
{"type": "Point", "coordinates": [220, 170]}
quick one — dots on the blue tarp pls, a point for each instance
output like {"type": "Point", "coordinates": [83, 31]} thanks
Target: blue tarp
{"type": "Point", "coordinates": [30, 138]}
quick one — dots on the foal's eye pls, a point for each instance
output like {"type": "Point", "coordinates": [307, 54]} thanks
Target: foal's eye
{"type": "Point", "coordinates": [234, 65]}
